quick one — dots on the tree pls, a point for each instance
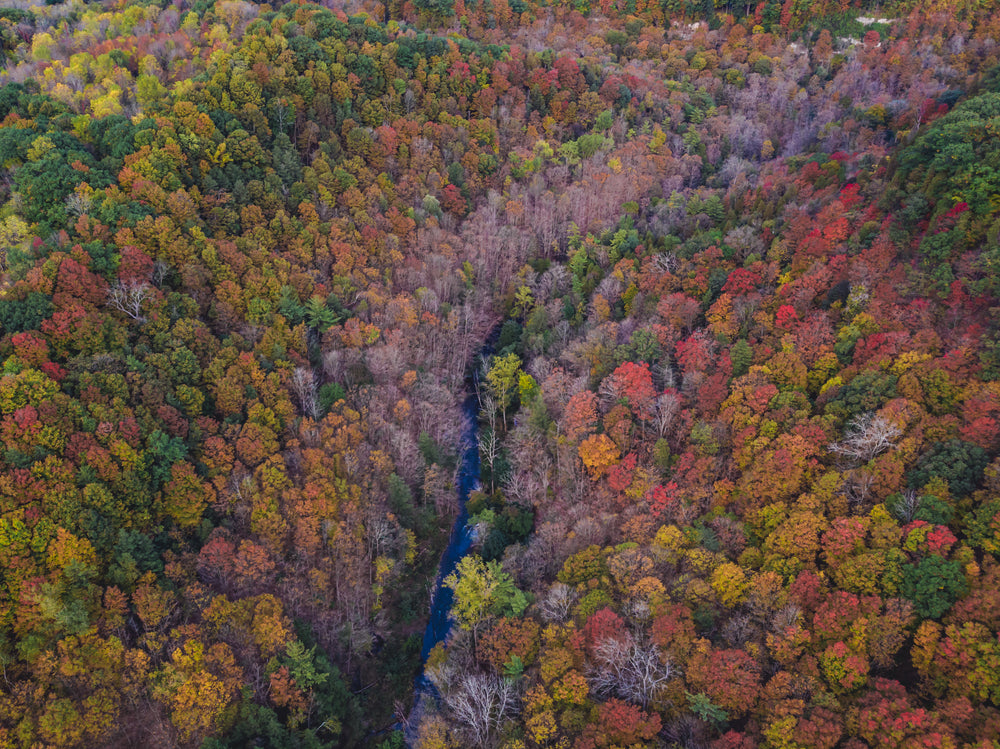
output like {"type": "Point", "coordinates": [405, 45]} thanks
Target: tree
{"type": "Point", "coordinates": [620, 724]}
{"type": "Point", "coordinates": [959, 463]}
{"type": "Point", "coordinates": [580, 415]}
{"type": "Point", "coordinates": [730, 679]}
{"type": "Point", "coordinates": [482, 591]}
{"type": "Point", "coordinates": [633, 383]}
{"type": "Point", "coordinates": [555, 606]}
{"type": "Point", "coordinates": [510, 638]}
{"type": "Point", "coordinates": [128, 298]}
{"type": "Point", "coordinates": [502, 380]}
{"type": "Point", "coordinates": [198, 685]}
{"type": "Point", "coordinates": [598, 454]}
{"type": "Point", "coordinates": [867, 436]}
{"type": "Point", "coordinates": [481, 703]}
{"type": "Point", "coordinates": [630, 668]}
{"type": "Point", "coordinates": [186, 496]}
{"type": "Point", "coordinates": [304, 387]}
{"type": "Point", "coordinates": [933, 584]}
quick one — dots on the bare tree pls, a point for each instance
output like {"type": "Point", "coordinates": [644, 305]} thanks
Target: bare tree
{"type": "Point", "coordinates": [77, 204]}
{"type": "Point", "coordinates": [630, 668]}
{"type": "Point", "coordinates": [611, 391]}
{"type": "Point", "coordinates": [868, 436]}
{"type": "Point", "coordinates": [482, 703]}
{"type": "Point", "coordinates": [128, 296]}
{"type": "Point", "coordinates": [857, 486]}
{"type": "Point", "coordinates": [556, 604]}
{"type": "Point", "coordinates": [160, 272]}
{"type": "Point", "coordinates": [664, 374]}
{"type": "Point", "coordinates": [489, 442]}
{"type": "Point", "coordinates": [303, 384]}
{"type": "Point", "coordinates": [906, 507]}
{"type": "Point", "coordinates": [665, 262]}
{"type": "Point", "coordinates": [666, 408]}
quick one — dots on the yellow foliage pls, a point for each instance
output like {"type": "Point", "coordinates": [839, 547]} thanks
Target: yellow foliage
{"type": "Point", "coordinates": [925, 643]}
{"type": "Point", "coordinates": [541, 727]}
{"type": "Point", "coordinates": [433, 734]}
{"type": "Point", "coordinates": [697, 592]}
{"type": "Point", "coordinates": [701, 560]}
{"type": "Point", "coordinates": [602, 310]}
{"type": "Point", "coordinates": [598, 454]}
{"type": "Point", "coordinates": [649, 589]}
{"type": "Point", "coordinates": [66, 547]}
{"type": "Point", "coordinates": [721, 320]}
{"type": "Point", "coordinates": [730, 583]}
{"type": "Point", "coordinates": [198, 687]}
{"type": "Point", "coordinates": [669, 543]}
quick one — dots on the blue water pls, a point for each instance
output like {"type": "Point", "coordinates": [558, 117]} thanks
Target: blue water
{"type": "Point", "coordinates": [440, 623]}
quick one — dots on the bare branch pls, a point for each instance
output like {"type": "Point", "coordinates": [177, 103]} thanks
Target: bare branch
{"type": "Point", "coordinates": [867, 436]}
{"type": "Point", "coordinates": [667, 406]}
{"type": "Point", "coordinates": [556, 605]}
{"type": "Point", "coordinates": [630, 668]}
{"type": "Point", "coordinates": [128, 296]}
{"type": "Point", "coordinates": [482, 703]}
{"type": "Point", "coordinates": [303, 384]}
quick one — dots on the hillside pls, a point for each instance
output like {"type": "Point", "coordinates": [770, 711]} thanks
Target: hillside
{"type": "Point", "coordinates": [734, 269]}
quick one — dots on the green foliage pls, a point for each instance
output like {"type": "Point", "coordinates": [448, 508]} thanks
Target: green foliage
{"type": "Point", "coordinates": [134, 554]}
{"type": "Point", "coordinates": [514, 668]}
{"type": "Point", "coordinates": [436, 9]}
{"type": "Point", "coordinates": [959, 463]}
{"type": "Point", "coordinates": [483, 590]}
{"type": "Point", "coordinates": [509, 341]}
{"type": "Point", "coordinates": [586, 565]}
{"type": "Point", "coordinates": [933, 585]}
{"type": "Point", "coordinates": [741, 356]}
{"type": "Point", "coordinates": [593, 601]}
{"type": "Point", "coordinates": [868, 391]}
{"type": "Point", "coordinates": [934, 511]}
{"type": "Point", "coordinates": [662, 456]}
{"type": "Point", "coordinates": [17, 315]}
{"type": "Point", "coordinates": [329, 393]}
{"type": "Point", "coordinates": [702, 706]}
{"type": "Point", "coordinates": [982, 527]}
{"type": "Point", "coordinates": [396, 740]}
{"type": "Point", "coordinates": [502, 380]}
{"type": "Point", "coordinates": [510, 523]}
{"type": "Point", "coordinates": [401, 500]}
{"type": "Point", "coordinates": [951, 162]}
{"type": "Point", "coordinates": [162, 452]}
{"type": "Point", "coordinates": [430, 449]}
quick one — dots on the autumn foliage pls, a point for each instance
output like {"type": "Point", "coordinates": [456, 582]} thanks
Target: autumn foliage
{"type": "Point", "coordinates": [725, 272]}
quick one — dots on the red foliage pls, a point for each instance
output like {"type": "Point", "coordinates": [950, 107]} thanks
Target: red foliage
{"type": "Point", "coordinates": [730, 678]}
{"type": "Point", "coordinates": [620, 476]}
{"type": "Point", "coordinates": [662, 499]}
{"type": "Point", "coordinates": [635, 383]}
{"type": "Point", "coordinates": [786, 317]}
{"type": "Point", "coordinates": [30, 348]}
{"type": "Point", "coordinates": [619, 724]}
{"type": "Point", "coordinates": [603, 625]}
{"type": "Point", "coordinates": [741, 281]}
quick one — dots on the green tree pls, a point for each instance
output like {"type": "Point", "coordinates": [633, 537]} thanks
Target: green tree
{"type": "Point", "coordinates": [502, 380]}
{"type": "Point", "coordinates": [933, 585]}
{"type": "Point", "coordinates": [959, 463]}
{"type": "Point", "coordinates": [741, 356]}
{"type": "Point", "coordinates": [483, 591]}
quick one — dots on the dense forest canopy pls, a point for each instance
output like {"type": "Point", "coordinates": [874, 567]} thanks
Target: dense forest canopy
{"type": "Point", "coordinates": [735, 267]}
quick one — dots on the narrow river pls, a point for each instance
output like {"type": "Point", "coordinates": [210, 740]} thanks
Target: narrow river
{"type": "Point", "coordinates": [439, 625]}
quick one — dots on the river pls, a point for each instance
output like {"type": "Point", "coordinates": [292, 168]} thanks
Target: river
{"type": "Point", "coordinates": [439, 625]}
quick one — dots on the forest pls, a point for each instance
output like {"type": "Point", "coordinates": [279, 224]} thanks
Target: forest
{"type": "Point", "coordinates": [724, 278]}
